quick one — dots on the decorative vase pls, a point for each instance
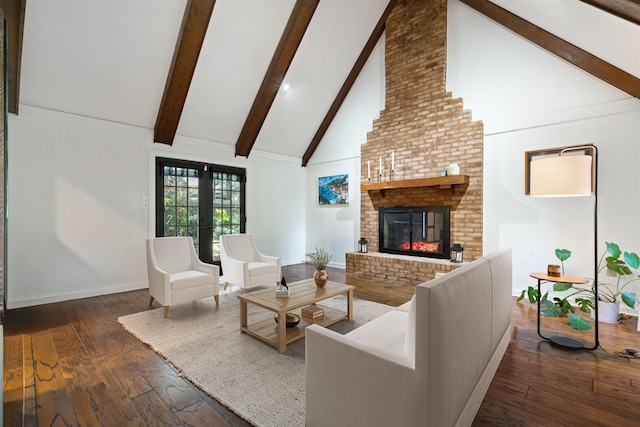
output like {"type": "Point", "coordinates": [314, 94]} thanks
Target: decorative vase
{"type": "Point", "coordinates": [453, 169]}
{"type": "Point", "coordinates": [321, 277]}
{"type": "Point", "coordinates": [608, 312]}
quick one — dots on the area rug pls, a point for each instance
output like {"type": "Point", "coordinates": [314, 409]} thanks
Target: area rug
{"type": "Point", "coordinates": [203, 341]}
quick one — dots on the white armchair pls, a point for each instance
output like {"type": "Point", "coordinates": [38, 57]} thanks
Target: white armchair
{"type": "Point", "coordinates": [176, 274]}
{"type": "Point", "coordinates": [243, 265]}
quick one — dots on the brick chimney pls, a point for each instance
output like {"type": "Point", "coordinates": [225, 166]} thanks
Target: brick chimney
{"type": "Point", "coordinates": [424, 127]}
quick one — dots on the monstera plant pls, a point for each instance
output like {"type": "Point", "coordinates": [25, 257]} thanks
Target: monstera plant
{"type": "Point", "coordinates": [619, 264]}
{"type": "Point", "coordinates": [555, 307]}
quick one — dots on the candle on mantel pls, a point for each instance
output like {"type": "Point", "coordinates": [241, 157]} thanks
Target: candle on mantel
{"type": "Point", "coordinates": [392, 160]}
{"type": "Point", "coordinates": [380, 166]}
{"type": "Point", "coordinates": [368, 169]}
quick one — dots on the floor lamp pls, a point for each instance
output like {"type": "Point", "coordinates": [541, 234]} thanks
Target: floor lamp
{"type": "Point", "coordinates": [569, 172]}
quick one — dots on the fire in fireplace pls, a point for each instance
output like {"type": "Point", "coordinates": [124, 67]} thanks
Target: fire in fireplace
{"type": "Point", "coordinates": [420, 230]}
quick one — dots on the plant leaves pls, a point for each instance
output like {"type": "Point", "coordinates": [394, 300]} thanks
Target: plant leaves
{"type": "Point", "coordinates": [578, 323]}
{"type": "Point", "coordinates": [585, 304]}
{"type": "Point", "coordinates": [629, 298]}
{"type": "Point", "coordinates": [563, 254]}
{"type": "Point", "coordinates": [613, 249]}
{"type": "Point", "coordinates": [632, 259]}
{"type": "Point", "coordinates": [544, 298]}
{"type": "Point", "coordinates": [521, 297]}
{"type": "Point", "coordinates": [561, 286]}
{"type": "Point", "coordinates": [564, 305]}
{"type": "Point", "coordinates": [618, 266]}
{"type": "Point", "coordinates": [551, 310]}
{"type": "Point", "coordinates": [532, 293]}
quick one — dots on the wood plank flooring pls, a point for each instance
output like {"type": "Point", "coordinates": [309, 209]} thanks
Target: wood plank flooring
{"type": "Point", "coordinates": [72, 364]}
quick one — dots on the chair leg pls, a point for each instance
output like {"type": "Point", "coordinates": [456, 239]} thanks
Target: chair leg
{"type": "Point", "coordinates": [225, 285]}
{"type": "Point", "coordinates": [150, 300]}
{"type": "Point", "coordinates": [166, 310]}
{"type": "Point", "coordinates": [217, 300]}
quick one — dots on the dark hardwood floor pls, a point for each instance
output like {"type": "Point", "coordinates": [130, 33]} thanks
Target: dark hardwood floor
{"type": "Point", "coordinates": [71, 363]}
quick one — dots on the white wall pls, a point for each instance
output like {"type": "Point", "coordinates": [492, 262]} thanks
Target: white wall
{"type": "Point", "coordinates": [76, 189]}
{"type": "Point", "coordinates": [77, 222]}
{"type": "Point", "coordinates": [337, 228]}
{"type": "Point", "coordinates": [528, 100]}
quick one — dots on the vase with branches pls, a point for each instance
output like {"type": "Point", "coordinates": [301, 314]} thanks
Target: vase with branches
{"type": "Point", "coordinates": [320, 259]}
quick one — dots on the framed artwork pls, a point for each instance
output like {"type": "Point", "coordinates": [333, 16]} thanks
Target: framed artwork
{"type": "Point", "coordinates": [333, 190]}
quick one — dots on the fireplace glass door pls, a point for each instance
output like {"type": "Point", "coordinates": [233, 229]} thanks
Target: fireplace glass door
{"type": "Point", "coordinates": [421, 231]}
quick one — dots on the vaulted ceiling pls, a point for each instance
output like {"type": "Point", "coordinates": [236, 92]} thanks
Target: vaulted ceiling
{"type": "Point", "coordinates": [216, 70]}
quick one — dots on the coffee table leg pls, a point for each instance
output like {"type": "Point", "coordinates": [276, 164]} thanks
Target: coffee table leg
{"type": "Point", "coordinates": [350, 305]}
{"type": "Point", "coordinates": [243, 315]}
{"type": "Point", "coordinates": [282, 332]}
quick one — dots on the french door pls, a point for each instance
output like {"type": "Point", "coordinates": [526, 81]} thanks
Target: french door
{"type": "Point", "coordinates": [199, 200]}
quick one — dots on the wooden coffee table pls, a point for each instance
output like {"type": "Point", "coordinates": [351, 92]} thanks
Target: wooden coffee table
{"type": "Point", "coordinates": [303, 293]}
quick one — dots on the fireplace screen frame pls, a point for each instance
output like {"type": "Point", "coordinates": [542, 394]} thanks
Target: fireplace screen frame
{"type": "Point", "coordinates": [445, 211]}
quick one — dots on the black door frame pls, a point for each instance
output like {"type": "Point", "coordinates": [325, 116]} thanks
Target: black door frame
{"type": "Point", "coordinates": [206, 210]}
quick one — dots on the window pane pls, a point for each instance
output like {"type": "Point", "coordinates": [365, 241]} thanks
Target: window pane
{"type": "Point", "coordinates": [194, 216]}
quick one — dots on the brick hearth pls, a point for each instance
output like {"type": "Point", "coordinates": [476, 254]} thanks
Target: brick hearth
{"type": "Point", "coordinates": [426, 129]}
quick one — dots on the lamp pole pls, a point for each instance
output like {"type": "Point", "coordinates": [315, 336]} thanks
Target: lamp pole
{"type": "Point", "coordinates": [594, 177]}
{"type": "Point", "coordinates": [596, 344]}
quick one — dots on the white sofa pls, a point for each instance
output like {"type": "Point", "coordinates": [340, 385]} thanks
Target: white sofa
{"type": "Point", "coordinates": [427, 363]}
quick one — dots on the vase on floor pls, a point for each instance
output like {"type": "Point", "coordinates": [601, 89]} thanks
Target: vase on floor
{"type": "Point", "coordinates": [608, 312]}
{"type": "Point", "coordinates": [321, 277]}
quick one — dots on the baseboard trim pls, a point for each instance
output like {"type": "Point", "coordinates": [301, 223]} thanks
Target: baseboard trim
{"type": "Point", "coordinates": [76, 295]}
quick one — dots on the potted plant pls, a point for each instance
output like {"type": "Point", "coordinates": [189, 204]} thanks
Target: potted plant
{"type": "Point", "coordinates": [558, 306]}
{"type": "Point", "coordinates": [608, 293]}
{"type": "Point", "coordinates": [320, 258]}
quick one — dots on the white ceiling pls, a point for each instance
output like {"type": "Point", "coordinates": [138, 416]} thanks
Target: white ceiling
{"type": "Point", "coordinates": [109, 59]}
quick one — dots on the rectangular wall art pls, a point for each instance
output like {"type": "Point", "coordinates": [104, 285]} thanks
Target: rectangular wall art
{"type": "Point", "coordinates": [333, 190]}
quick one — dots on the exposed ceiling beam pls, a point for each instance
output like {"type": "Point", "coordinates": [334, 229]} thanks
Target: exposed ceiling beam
{"type": "Point", "coordinates": [570, 53]}
{"type": "Point", "coordinates": [194, 28]}
{"type": "Point", "coordinates": [14, 18]}
{"type": "Point", "coordinates": [283, 56]}
{"type": "Point", "coordinates": [625, 9]}
{"type": "Point", "coordinates": [348, 83]}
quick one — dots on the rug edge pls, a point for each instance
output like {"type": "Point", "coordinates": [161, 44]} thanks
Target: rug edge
{"type": "Point", "coordinates": [183, 374]}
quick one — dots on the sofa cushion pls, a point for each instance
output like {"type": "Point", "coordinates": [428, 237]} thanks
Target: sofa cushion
{"type": "Point", "coordinates": [258, 268]}
{"type": "Point", "coordinates": [189, 279]}
{"type": "Point", "coordinates": [405, 307]}
{"type": "Point", "coordinates": [386, 332]}
{"type": "Point", "coordinates": [239, 246]}
{"type": "Point", "coordinates": [409, 349]}
{"type": "Point", "coordinates": [172, 253]}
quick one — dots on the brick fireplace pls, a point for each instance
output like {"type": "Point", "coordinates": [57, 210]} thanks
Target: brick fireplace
{"type": "Point", "coordinates": [425, 129]}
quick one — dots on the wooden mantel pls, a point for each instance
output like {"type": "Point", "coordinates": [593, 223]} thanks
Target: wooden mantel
{"type": "Point", "coordinates": [445, 183]}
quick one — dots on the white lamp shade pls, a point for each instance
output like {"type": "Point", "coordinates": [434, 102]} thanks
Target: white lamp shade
{"type": "Point", "coordinates": [561, 176]}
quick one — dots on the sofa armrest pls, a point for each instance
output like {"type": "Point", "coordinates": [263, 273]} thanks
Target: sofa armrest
{"type": "Point", "coordinates": [352, 383]}
{"type": "Point", "coordinates": [159, 286]}
{"type": "Point", "coordinates": [268, 259]}
{"type": "Point", "coordinates": [235, 271]}
{"type": "Point", "coordinates": [212, 269]}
